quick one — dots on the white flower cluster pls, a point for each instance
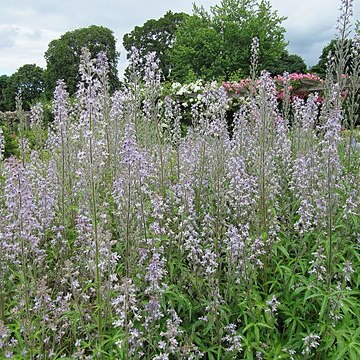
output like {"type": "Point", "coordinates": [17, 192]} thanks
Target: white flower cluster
{"type": "Point", "coordinates": [311, 342]}
{"type": "Point", "coordinates": [188, 89]}
{"type": "Point", "coordinates": [192, 93]}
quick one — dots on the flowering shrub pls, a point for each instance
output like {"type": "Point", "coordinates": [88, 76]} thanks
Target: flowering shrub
{"type": "Point", "coordinates": [296, 85]}
{"type": "Point", "coordinates": [238, 88]}
{"type": "Point", "coordinates": [191, 93]}
{"type": "Point", "coordinates": [299, 85]}
{"type": "Point", "coordinates": [300, 78]}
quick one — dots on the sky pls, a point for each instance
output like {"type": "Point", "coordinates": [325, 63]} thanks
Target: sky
{"type": "Point", "coordinates": [27, 26]}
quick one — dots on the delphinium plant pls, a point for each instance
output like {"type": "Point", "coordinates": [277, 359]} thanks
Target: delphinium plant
{"type": "Point", "coordinates": [123, 238]}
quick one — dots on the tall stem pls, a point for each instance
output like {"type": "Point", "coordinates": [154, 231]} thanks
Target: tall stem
{"type": "Point", "coordinates": [95, 226]}
{"type": "Point", "coordinates": [25, 278]}
{"type": "Point", "coordinates": [199, 188]}
{"type": "Point", "coordinates": [330, 205]}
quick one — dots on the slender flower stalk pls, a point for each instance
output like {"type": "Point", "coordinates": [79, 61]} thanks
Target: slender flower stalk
{"type": "Point", "coordinates": [88, 93]}
{"type": "Point", "coordinates": [23, 124]}
{"type": "Point", "coordinates": [353, 94]}
{"type": "Point", "coordinates": [22, 228]}
{"type": "Point", "coordinates": [254, 62]}
{"type": "Point", "coordinates": [2, 144]}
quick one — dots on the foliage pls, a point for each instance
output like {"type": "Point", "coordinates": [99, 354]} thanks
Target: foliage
{"type": "Point", "coordinates": [190, 94]}
{"type": "Point", "coordinates": [290, 63]}
{"type": "Point", "coordinates": [155, 36]}
{"type": "Point", "coordinates": [197, 52]}
{"type": "Point", "coordinates": [30, 126]}
{"type": "Point", "coordinates": [4, 83]}
{"type": "Point", "coordinates": [216, 45]}
{"type": "Point", "coordinates": [321, 67]}
{"type": "Point", "coordinates": [63, 56]}
{"type": "Point", "coordinates": [27, 80]}
{"type": "Point", "coordinates": [11, 142]}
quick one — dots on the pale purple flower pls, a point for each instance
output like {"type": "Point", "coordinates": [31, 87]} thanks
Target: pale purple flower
{"type": "Point", "coordinates": [172, 120]}
{"type": "Point", "coordinates": [36, 116]}
{"type": "Point", "coordinates": [254, 57]}
{"type": "Point", "coordinates": [4, 335]}
{"type": "Point", "coordinates": [154, 276]}
{"type": "Point", "coordinates": [290, 352]}
{"type": "Point", "coordinates": [242, 192]}
{"type": "Point", "coordinates": [125, 304]}
{"type": "Point", "coordinates": [61, 106]}
{"type": "Point", "coordinates": [102, 65]}
{"type": "Point", "coordinates": [310, 343]}
{"type": "Point", "coordinates": [344, 20]}
{"type": "Point", "coordinates": [44, 178]}
{"type": "Point", "coordinates": [318, 264]}
{"type": "Point", "coordinates": [347, 270]}
{"type": "Point", "coordinates": [209, 262]}
{"type": "Point", "coordinates": [2, 144]}
{"type": "Point", "coordinates": [152, 86]}
{"type": "Point", "coordinates": [170, 343]}
{"type": "Point", "coordinates": [130, 153]}
{"type": "Point", "coordinates": [209, 115]}
{"type": "Point", "coordinates": [21, 220]}
{"type": "Point", "coordinates": [273, 305]}
{"type": "Point", "coordinates": [232, 340]}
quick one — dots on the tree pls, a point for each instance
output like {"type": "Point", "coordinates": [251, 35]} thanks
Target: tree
{"type": "Point", "coordinates": [216, 44]}
{"type": "Point", "coordinates": [155, 35]}
{"type": "Point", "coordinates": [197, 52]}
{"type": "Point", "coordinates": [290, 63]}
{"type": "Point", "coordinates": [63, 56]}
{"type": "Point", "coordinates": [321, 67]}
{"type": "Point", "coordinates": [4, 82]}
{"type": "Point", "coordinates": [29, 80]}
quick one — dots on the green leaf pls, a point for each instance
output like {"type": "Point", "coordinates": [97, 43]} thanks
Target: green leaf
{"type": "Point", "coordinates": [283, 250]}
{"type": "Point", "coordinates": [324, 307]}
{"type": "Point", "coordinates": [299, 290]}
{"type": "Point", "coordinates": [354, 355]}
{"type": "Point", "coordinates": [257, 333]}
{"type": "Point", "coordinates": [341, 353]}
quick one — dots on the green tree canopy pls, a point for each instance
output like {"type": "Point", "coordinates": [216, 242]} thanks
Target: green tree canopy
{"type": "Point", "coordinates": [63, 56]}
{"type": "Point", "coordinates": [290, 63]}
{"type": "Point", "coordinates": [4, 83]}
{"type": "Point", "coordinates": [29, 80]}
{"type": "Point", "coordinates": [321, 66]}
{"type": "Point", "coordinates": [197, 52]}
{"type": "Point", "coordinates": [155, 36]}
{"type": "Point", "coordinates": [216, 44]}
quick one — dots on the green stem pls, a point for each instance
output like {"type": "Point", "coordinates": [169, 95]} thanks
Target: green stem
{"type": "Point", "coordinates": [25, 276]}
{"type": "Point", "coordinates": [199, 188]}
{"type": "Point", "coordinates": [95, 230]}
